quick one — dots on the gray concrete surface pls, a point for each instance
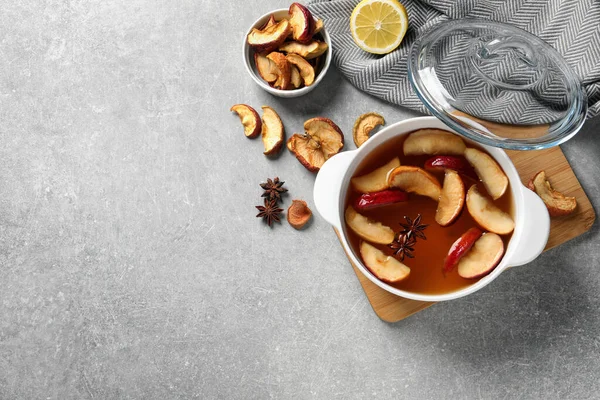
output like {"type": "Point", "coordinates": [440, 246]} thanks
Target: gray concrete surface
{"type": "Point", "coordinates": [132, 266]}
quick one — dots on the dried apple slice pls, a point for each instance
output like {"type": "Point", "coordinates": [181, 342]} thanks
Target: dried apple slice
{"type": "Point", "coordinates": [302, 22]}
{"type": "Point", "coordinates": [483, 257]}
{"type": "Point", "coordinates": [321, 49]}
{"type": "Point", "coordinates": [385, 268]}
{"type": "Point", "coordinates": [364, 125]}
{"type": "Point", "coordinates": [268, 39]}
{"type": "Point", "coordinates": [309, 50]}
{"type": "Point", "coordinates": [302, 49]}
{"type": "Point", "coordinates": [284, 77]}
{"type": "Point", "coordinates": [557, 203]}
{"type": "Point", "coordinates": [322, 139]}
{"type": "Point", "coordinates": [266, 68]}
{"type": "Point", "coordinates": [250, 119]}
{"type": "Point", "coordinates": [298, 214]}
{"type": "Point", "coordinates": [269, 23]}
{"type": "Point", "coordinates": [376, 180]}
{"type": "Point", "coordinates": [272, 131]}
{"type": "Point", "coordinates": [295, 77]}
{"type": "Point", "coordinates": [486, 214]}
{"type": "Point", "coordinates": [290, 143]}
{"type": "Point", "coordinates": [488, 170]}
{"type": "Point", "coordinates": [306, 151]}
{"type": "Point", "coordinates": [452, 199]}
{"type": "Point", "coordinates": [433, 141]}
{"type": "Point", "coordinates": [373, 231]}
{"type": "Point", "coordinates": [307, 72]}
{"type": "Point", "coordinates": [415, 180]}
{"type": "Point", "coordinates": [318, 26]}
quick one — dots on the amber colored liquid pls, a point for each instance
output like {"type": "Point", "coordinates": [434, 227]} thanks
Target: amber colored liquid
{"type": "Point", "coordinates": [426, 268]}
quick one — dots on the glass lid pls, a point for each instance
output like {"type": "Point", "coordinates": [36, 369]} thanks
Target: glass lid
{"type": "Point", "coordinates": [497, 84]}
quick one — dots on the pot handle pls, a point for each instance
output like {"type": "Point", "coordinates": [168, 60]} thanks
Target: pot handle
{"type": "Point", "coordinates": [536, 230]}
{"type": "Point", "coordinates": [328, 184]}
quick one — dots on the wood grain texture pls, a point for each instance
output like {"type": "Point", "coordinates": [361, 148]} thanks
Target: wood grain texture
{"type": "Point", "coordinates": [392, 308]}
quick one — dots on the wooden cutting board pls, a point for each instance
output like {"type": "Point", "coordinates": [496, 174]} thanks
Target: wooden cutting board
{"type": "Point", "coordinates": [392, 308]}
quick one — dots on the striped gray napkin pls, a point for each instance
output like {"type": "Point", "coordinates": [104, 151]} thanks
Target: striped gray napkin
{"type": "Point", "coordinates": [571, 26]}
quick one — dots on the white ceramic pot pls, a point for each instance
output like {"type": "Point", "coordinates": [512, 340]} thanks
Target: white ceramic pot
{"type": "Point", "coordinates": [532, 222]}
{"type": "Point", "coordinates": [248, 55]}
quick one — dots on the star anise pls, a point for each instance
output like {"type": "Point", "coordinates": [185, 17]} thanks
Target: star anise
{"type": "Point", "coordinates": [405, 240]}
{"type": "Point", "coordinates": [269, 212]}
{"type": "Point", "coordinates": [413, 228]}
{"type": "Point", "coordinates": [273, 189]}
{"type": "Point", "coordinates": [403, 245]}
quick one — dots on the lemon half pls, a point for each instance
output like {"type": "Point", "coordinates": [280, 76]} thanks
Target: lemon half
{"type": "Point", "coordinates": [378, 26]}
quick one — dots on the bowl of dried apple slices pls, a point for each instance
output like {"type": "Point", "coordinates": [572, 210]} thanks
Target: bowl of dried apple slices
{"type": "Point", "coordinates": [287, 52]}
{"type": "Point", "coordinates": [428, 215]}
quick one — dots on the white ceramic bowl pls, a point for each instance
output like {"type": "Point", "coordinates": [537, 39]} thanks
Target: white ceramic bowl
{"type": "Point", "coordinates": [532, 222]}
{"type": "Point", "coordinates": [248, 54]}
